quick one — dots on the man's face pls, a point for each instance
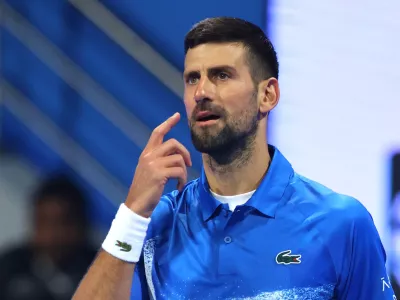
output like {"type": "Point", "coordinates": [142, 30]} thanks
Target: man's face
{"type": "Point", "coordinates": [220, 96]}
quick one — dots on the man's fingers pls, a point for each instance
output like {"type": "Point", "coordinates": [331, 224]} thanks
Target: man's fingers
{"type": "Point", "coordinates": [178, 173]}
{"type": "Point", "coordinates": [172, 157]}
{"type": "Point", "coordinates": [172, 147]}
{"type": "Point", "coordinates": [175, 160]}
{"type": "Point", "coordinates": [160, 131]}
{"type": "Point", "coordinates": [180, 185]}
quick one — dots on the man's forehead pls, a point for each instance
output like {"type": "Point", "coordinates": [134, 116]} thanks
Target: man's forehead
{"type": "Point", "coordinates": [214, 54]}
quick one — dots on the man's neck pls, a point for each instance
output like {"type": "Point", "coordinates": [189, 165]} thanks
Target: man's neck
{"type": "Point", "coordinates": [239, 176]}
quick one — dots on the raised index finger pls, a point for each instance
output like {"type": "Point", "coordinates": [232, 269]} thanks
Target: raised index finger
{"type": "Point", "coordinates": [158, 134]}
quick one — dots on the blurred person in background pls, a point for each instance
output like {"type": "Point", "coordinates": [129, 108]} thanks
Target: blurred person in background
{"type": "Point", "coordinates": [394, 213]}
{"type": "Point", "coordinates": [50, 265]}
{"type": "Point", "coordinates": [395, 260]}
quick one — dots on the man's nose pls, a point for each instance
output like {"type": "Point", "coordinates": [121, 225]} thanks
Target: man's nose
{"type": "Point", "coordinates": [205, 90]}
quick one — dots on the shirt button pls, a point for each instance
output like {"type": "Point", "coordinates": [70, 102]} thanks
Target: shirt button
{"type": "Point", "coordinates": [227, 239]}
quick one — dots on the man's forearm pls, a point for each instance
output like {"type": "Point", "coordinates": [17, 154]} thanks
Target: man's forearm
{"type": "Point", "coordinates": [108, 278]}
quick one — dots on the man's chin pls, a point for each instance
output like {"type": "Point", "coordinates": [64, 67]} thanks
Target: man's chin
{"type": "Point", "coordinates": [207, 146]}
{"type": "Point", "coordinates": [212, 126]}
{"type": "Point", "coordinates": [205, 149]}
{"type": "Point", "coordinates": [206, 133]}
{"type": "Point", "coordinates": [206, 139]}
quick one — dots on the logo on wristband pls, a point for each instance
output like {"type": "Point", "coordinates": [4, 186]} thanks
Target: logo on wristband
{"type": "Point", "coordinates": [124, 246]}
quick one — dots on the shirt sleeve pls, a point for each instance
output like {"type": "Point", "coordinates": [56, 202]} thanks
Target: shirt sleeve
{"type": "Point", "coordinates": [362, 260]}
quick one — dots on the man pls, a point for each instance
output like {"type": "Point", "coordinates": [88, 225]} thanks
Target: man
{"type": "Point", "coordinates": [249, 227]}
{"type": "Point", "coordinates": [51, 264]}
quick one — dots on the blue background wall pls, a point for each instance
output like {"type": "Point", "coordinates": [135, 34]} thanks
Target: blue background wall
{"type": "Point", "coordinates": [162, 24]}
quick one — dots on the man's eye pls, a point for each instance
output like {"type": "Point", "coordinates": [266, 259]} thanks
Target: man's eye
{"type": "Point", "coordinates": [222, 76]}
{"type": "Point", "coordinates": [192, 80]}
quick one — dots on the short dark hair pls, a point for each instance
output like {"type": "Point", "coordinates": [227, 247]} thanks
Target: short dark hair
{"type": "Point", "coordinates": [61, 187]}
{"type": "Point", "coordinates": [262, 58]}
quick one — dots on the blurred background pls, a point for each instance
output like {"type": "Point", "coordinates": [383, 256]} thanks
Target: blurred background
{"type": "Point", "coordinates": [84, 82]}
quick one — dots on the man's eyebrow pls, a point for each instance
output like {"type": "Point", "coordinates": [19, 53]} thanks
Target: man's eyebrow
{"type": "Point", "coordinates": [222, 68]}
{"type": "Point", "coordinates": [210, 69]}
{"type": "Point", "coordinates": [187, 74]}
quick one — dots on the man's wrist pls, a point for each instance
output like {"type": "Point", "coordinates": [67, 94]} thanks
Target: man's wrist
{"type": "Point", "coordinates": [139, 210]}
{"type": "Point", "coordinates": [127, 234]}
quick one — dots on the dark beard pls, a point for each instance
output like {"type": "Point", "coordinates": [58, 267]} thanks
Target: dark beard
{"type": "Point", "coordinates": [233, 144]}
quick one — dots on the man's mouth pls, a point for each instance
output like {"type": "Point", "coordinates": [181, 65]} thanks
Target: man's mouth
{"type": "Point", "coordinates": [205, 116]}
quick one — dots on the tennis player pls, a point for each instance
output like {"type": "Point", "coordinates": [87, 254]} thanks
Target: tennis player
{"type": "Point", "coordinates": [250, 227]}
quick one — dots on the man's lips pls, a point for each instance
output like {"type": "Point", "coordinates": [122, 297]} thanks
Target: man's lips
{"type": "Point", "coordinates": [204, 116]}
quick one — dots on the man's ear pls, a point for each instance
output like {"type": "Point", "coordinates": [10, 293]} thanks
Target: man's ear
{"type": "Point", "coordinates": [268, 95]}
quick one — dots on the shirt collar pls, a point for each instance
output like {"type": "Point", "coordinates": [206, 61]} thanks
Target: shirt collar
{"type": "Point", "coordinates": [268, 194]}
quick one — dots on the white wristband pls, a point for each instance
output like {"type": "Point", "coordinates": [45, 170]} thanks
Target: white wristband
{"type": "Point", "coordinates": [126, 236]}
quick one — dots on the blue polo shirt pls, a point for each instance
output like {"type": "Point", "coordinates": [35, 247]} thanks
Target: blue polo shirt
{"type": "Point", "coordinates": [293, 239]}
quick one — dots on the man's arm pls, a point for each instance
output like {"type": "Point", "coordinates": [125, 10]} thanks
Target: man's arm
{"type": "Point", "coordinates": [362, 269]}
{"type": "Point", "coordinates": [107, 278]}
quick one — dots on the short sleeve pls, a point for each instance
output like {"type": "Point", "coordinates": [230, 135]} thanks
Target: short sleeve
{"type": "Point", "coordinates": [360, 258]}
{"type": "Point", "coordinates": [162, 216]}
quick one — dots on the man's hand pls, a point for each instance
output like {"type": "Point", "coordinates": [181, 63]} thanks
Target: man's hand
{"type": "Point", "coordinates": [158, 162]}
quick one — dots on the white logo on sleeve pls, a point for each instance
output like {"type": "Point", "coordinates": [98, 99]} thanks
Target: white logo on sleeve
{"type": "Point", "coordinates": [385, 284]}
